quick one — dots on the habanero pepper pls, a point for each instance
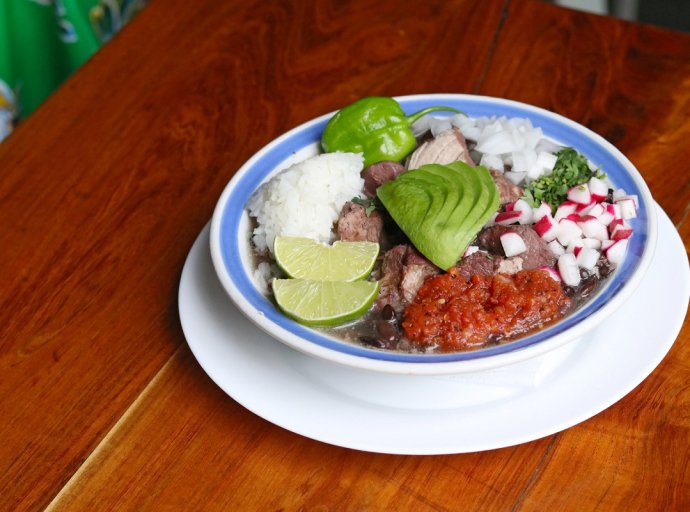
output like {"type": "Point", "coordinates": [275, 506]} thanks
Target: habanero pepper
{"type": "Point", "coordinates": [375, 126]}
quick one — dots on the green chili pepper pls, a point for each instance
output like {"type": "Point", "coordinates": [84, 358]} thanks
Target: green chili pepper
{"type": "Point", "coordinates": [375, 126]}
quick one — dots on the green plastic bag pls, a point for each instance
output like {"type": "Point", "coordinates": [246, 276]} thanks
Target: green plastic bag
{"type": "Point", "coordinates": [43, 41]}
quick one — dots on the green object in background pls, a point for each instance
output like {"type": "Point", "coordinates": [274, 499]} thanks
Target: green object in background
{"type": "Point", "coordinates": [43, 41]}
{"type": "Point", "coordinates": [375, 126]}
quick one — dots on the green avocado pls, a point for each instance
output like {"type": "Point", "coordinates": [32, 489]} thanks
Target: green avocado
{"type": "Point", "coordinates": [441, 208]}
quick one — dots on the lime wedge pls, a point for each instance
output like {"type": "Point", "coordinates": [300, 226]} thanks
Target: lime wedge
{"type": "Point", "coordinates": [303, 258]}
{"type": "Point", "coordinates": [322, 303]}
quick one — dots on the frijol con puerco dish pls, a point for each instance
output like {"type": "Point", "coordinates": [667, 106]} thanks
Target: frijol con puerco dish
{"type": "Point", "coordinates": [433, 234]}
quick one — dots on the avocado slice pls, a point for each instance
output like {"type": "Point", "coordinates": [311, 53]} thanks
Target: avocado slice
{"type": "Point", "coordinates": [428, 201]}
{"type": "Point", "coordinates": [427, 193]}
{"type": "Point", "coordinates": [454, 195]}
{"type": "Point", "coordinates": [479, 190]}
{"type": "Point", "coordinates": [441, 208]}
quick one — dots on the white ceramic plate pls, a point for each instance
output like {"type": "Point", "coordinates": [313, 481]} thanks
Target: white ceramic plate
{"type": "Point", "coordinates": [435, 414]}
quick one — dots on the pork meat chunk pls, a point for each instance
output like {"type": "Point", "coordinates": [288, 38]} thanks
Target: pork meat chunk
{"type": "Point", "coordinates": [537, 254]}
{"type": "Point", "coordinates": [379, 173]}
{"type": "Point", "coordinates": [403, 272]}
{"type": "Point", "coordinates": [478, 263]}
{"type": "Point", "coordinates": [485, 264]}
{"type": "Point", "coordinates": [447, 147]}
{"type": "Point", "coordinates": [508, 191]}
{"type": "Point", "coordinates": [355, 226]}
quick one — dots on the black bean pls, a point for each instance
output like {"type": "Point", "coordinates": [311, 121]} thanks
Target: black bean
{"type": "Point", "coordinates": [371, 341]}
{"type": "Point", "coordinates": [388, 313]}
{"type": "Point", "coordinates": [605, 267]}
{"type": "Point", "coordinates": [387, 332]}
{"type": "Point", "coordinates": [587, 287]}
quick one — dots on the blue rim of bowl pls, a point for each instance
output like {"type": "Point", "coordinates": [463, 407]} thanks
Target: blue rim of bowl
{"type": "Point", "coordinates": [231, 207]}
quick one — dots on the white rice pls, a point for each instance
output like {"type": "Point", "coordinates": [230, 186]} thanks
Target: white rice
{"type": "Point", "coordinates": [306, 198]}
{"type": "Point", "coordinates": [263, 275]}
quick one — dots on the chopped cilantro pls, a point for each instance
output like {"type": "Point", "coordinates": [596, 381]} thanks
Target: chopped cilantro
{"type": "Point", "coordinates": [368, 204]}
{"type": "Point", "coordinates": [571, 169]}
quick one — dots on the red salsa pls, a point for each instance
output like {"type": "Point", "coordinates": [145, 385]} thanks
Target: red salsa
{"type": "Point", "coordinates": [452, 313]}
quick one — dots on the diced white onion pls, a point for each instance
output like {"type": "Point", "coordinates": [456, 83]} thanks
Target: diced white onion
{"type": "Point", "coordinates": [440, 125]}
{"type": "Point", "coordinates": [492, 162]}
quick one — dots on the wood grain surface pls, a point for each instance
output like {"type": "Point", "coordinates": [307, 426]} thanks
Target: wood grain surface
{"type": "Point", "coordinates": [105, 187]}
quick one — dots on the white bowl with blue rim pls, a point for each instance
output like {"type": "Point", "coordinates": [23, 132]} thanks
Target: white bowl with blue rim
{"type": "Point", "coordinates": [231, 249]}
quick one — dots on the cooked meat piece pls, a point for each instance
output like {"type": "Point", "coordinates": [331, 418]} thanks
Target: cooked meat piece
{"type": "Point", "coordinates": [537, 255]}
{"type": "Point", "coordinates": [485, 264]}
{"type": "Point", "coordinates": [508, 191]}
{"type": "Point", "coordinates": [413, 278]}
{"type": "Point", "coordinates": [413, 257]}
{"type": "Point", "coordinates": [354, 225]}
{"type": "Point", "coordinates": [379, 173]}
{"type": "Point", "coordinates": [448, 146]}
{"type": "Point", "coordinates": [403, 271]}
{"type": "Point", "coordinates": [478, 263]}
{"type": "Point", "coordinates": [509, 265]}
{"type": "Point", "coordinates": [391, 275]}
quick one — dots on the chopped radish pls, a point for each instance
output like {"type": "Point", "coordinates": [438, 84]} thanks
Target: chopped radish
{"type": "Point", "coordinates": [606, 218]}
{"type": "Point", "coordinates": [513, 244]}
{"type": "Point", "coordinates": [619, 193]}
{"type": "Point", "coordinates": [568, 230]}
{"type": "Point", "coordinates": [592, 243]}
{"type": "Point", "coordinates": [628, 210]}
{"type": "Point", "coordinates": [598, 189]}
{"type": "Point", "coordinates": [553, 274]}
{"type": "Point", "coordinates": [575, 246]}
{"type": "Point", "coordinates": [510, 207]}
{"type": "Point", "coordinates": [470, 250]}
{"type": "Point", "coordinates": [525, 210]}
{"type": "Point", "coordinates": [592, 228]}
{"type": "Point", "coordinates": [614, 210]}
{"type": "Point", "coordinates": [567, 267]}
{"type": "Point", "coordinates": [595, 210]}
{"type": "Point", "coordinates": [574, 217]}
{"type": "Point", "coordinates": [565, 209]}
{"type": "Point", "coordinates": [633, 197]}
{"type": "Point", "coordinates": [541, 211]}
{"type": "Point", "coordinates": [556, 248]}
{"type": "Point", "coordinates": [506, 218]}
{"type": "Point", "coordinates": [583, 209]}
{"type": "Point", "coordinates": [547, 228]}
{"type": "Point", "coordinates": [580, 194]}
{"type": "Point", "coordinates": [614, 223]}
{"type": "Point", "coordinates": [606, 244]}
{"type": "Point", "coordinates": [587, 258]}
{"type": "Point", "coordinates": [621, 231]}
{"type": "Point", "coordinates": [616, 252]}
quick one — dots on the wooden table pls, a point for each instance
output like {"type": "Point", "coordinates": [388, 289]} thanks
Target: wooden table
{"type": "Point", "coordinates": [105, 188]}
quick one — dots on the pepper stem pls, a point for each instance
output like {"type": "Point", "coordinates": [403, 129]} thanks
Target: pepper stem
{"type": "Point", "coordinates": [413, 117]}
